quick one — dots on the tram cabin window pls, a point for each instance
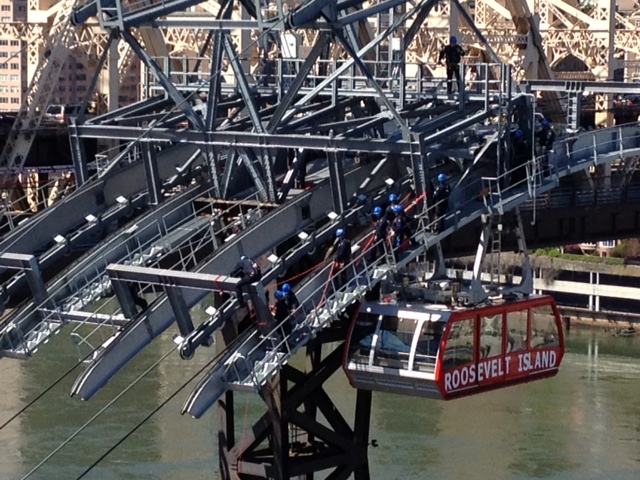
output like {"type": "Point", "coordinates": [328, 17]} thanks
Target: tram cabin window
{"type": "Point", "coordinates": [517, 330]}
{"type": "Point", "coordinates": [491, 336]}
{"type": "Point", "coordinates": [428, 345]}
{"type": "Point", "coordinates": [460, 344]}
{"type": "Point", "coordinates": [363, 331]}
{"type": "Point", "coordinates": [394, 342]}
{"type": "Point", "coordinates": [544, 329]}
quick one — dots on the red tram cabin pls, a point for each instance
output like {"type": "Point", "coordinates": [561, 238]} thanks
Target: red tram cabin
{"type": "Point", "coordinates": [440, 352]}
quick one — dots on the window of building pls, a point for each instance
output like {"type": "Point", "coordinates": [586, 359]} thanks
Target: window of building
{"type": "Point", "coordinates": [15, 43]}
{"type": "Point", "coordinates": [4, 89]}
{"type": "Point", "coordinates": [4, 54]}
{"type": "Point", "coordinates": [4, 66]}
{"type": "Point", "coordinates": [15, 78]}
{"type": "Point", "coordinates": [15, 66]}
{"type": "Point", "coordinates": [15, 100]}
{"type": "Point", "coordinates": [5, 8]}
{"type": "Point", "coordinates": [4, 100]}
{"type": "Point", "coordinates": [15, 89]}
{"type": "Point", "coordinates": [6, 20]}
{"type": "Point", "coordinates": [4, 43]}
{"type": "Point", "coordinates": [81, 88]}
{"type": "Point", "coordinates": [4, 78]}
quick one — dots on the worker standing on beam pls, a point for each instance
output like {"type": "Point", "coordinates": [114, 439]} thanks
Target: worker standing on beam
{"type": "Point", "coordinates": [452, 55]}
{"type": "Point", "coordinates": [249, 272]}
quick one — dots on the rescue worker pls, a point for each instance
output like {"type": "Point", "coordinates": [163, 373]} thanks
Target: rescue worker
{"type": "Point", "coordinates": [342, 257]}
{"type": "Point", "coordinates": [441, 201]}
{"type": "Point", "coordinates": [546, 136]}
{"type": "Point", "coordinates": [400, 226]}
{"type": "Point", "coordinates": [452, 55]}
{"type": "Point", "coordinates": [382, 229]}
{"type": "Point", "coordinates": [281, 312]}
{"type": "Point", "coordinates": [290, 298]}
{"type": "Point", "coordinates": [393, 201]}
{"type": "Point", "coordinates": [249, 272]}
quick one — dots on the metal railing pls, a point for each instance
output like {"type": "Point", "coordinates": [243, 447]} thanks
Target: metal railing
{"type": "Point", "coordinates": [479, 196]}
{"type": "Point", "coordinates": [93, 283]}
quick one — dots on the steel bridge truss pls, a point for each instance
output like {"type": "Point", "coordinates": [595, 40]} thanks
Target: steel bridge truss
{"type": "Point", "coordinates": [206, 171]}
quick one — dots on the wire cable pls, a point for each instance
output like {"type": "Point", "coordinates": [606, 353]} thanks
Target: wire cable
{"type": "Point", "coordinates": [152, 413]}
{"type": "Point", "coordinates": [44, 392]}
{"type": "Point", "coordinates": [56, 382]}
{"type": "Point", "coordinates": [100, 412]}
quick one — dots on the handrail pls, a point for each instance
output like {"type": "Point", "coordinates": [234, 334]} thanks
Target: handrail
{"type": "Point", "coordinates": [509, 195]}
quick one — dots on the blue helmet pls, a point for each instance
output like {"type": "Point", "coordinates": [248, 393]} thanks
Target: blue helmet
{"type": "Point", "coordinates": [286, 288]}
{"type": "Point", "coordinates": [519, 133]}
{"type": "Point", "coordinates": [442, 178]}
{"type": "Point", "coordinates": [243, 257]}
{"type": "Point", "coordinates": [340, 232]}
{"type": "Point", "coordinates": [377, 211]}
{"type": "Point", "coordinates": [393, 197]}
{"type": "Point", "coordinates": [279, 294]}
{"type": "Point", "coordinates": [546, 123]}
{"type": "Point", "coordinates": [454, 40]}
{"type": "Point", "coordinates": [398, 209]}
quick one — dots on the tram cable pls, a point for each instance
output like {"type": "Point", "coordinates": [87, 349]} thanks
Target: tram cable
{"type": "Point", "coordinates": [100, 412]}
{"type": "Point", "coordinates": [155, 410]}
{"type": "Point", "coordinates": [95, 176]}
{"type": "Point", "coordinates": [45, 391]}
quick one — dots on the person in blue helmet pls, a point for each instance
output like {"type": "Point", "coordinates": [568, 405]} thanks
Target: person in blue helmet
{"type": "Point", "coordinates": [343, 248]}
{"type": "Point", "coordinates": [452, 55]}
{"type": "Point", "coordinates": [342, 257]}
{"type": "Point", "coordinates": [441, 201]}
{"type": "Point", "coordinates": [290, 298]}
{"type": "Point", "coordinates": [281, 312]}
{"type": "Point", "coordinates": [393, 201]}
{"type": "Point", "coordinates": [249, 272]}
{"type": "Point", "coordinates": [381, 225]}
{"type": "Point", "coordinates": [545, 136]}
{"type": "Point", "coordinates": [400, 226]}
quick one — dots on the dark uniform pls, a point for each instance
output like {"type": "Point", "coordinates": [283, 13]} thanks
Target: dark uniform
{"type": "Point", "coordinates": [452, 54]}
{"type": "Point", "coordinates": [342, 259]}
{"type": "Point", "coordinates": [249, 272]}
{"type": "Point", "coordinates": [440, 197]}
{"type": "Point", "coordinates": [281, 312]}
{"type": "Point", "coordinates": [546, 137]}
{"type": "Point", "coordinates": [401, 228]}
{"type": "Point", "coordinates": [382, 230]}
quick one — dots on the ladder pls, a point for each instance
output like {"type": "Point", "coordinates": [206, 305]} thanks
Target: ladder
{"type": "Point", "coordinates": [496, 247]}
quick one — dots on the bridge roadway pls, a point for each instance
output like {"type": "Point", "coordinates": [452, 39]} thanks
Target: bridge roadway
{"type": "Point", "coordinates": [256, 358]}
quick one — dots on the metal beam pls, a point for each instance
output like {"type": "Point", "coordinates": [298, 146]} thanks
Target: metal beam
{"type": "Point", "coordinates": [584, 87]}
{"type": "Point", "coordinates": [154, 182]}
{"type": "Point", "coordinates": [178, 98]}
{"type": "Point", "coordinates": [246, 139]}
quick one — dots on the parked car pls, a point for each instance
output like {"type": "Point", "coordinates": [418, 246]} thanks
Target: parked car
{"type": "Point", "coordinates": [62, 113]}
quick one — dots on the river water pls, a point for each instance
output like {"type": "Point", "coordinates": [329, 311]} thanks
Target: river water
{"type": "Point", "coordinates": [582, 424]}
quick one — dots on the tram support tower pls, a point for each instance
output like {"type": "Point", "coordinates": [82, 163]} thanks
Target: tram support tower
{"type": "Point", "coordinates": [288, 440]}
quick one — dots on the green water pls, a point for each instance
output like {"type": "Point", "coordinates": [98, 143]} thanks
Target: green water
{"type": "Point", "coordinates": [582, 424]}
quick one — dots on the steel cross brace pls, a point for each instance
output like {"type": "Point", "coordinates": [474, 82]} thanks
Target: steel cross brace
{"type": "Point", "coordinates": [173, 282]}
